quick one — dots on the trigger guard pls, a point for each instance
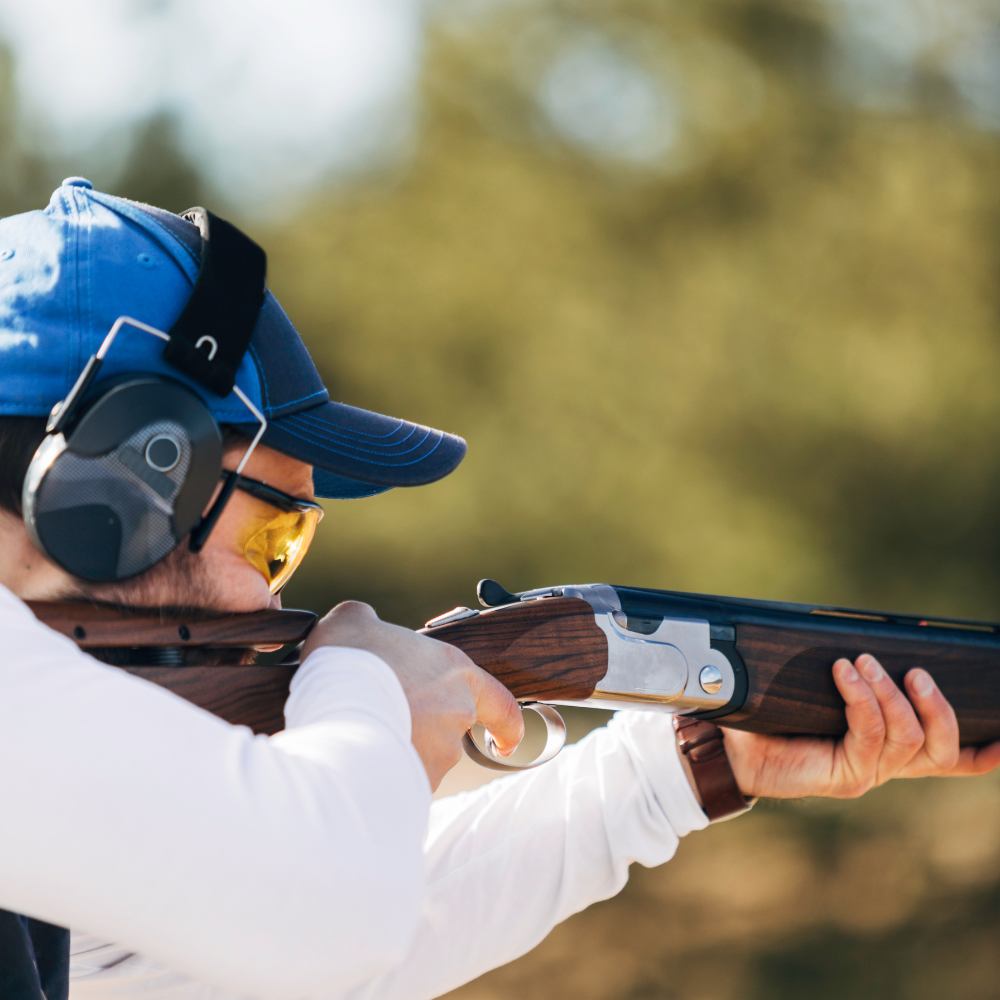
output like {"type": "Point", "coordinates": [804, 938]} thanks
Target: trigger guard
{"type": "Point", "coordinates": [555, 740]}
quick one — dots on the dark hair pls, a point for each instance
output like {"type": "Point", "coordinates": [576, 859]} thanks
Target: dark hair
{"type": "Point", "coordinates": [19, 440]}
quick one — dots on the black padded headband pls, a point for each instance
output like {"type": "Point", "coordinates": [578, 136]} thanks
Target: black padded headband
{"type": "Point", "coordinates": [212, 334]}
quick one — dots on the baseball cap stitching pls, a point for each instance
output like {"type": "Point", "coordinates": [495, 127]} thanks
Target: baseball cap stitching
{"type": "Point", "coordinates": [301, 399]}
{"type": "Point", "coordinates": [304, 436]}
{"type": "Point", "coordinates": [306, 416]}
{"type": "Point", "coordinates": [325, 430]}
{"type": "Point", "coordinates": [389, 465]}
{"type": "Point", "coordinates": [354, 438]}
{"type": "Point", "coordinates": [263, 377]}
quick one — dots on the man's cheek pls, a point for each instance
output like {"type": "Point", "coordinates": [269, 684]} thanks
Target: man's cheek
{"type": "Point", "coordinates": [238, 586]}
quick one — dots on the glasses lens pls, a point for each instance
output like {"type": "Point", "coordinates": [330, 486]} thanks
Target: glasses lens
{"type": "Point", "coordinates": [278, 548]}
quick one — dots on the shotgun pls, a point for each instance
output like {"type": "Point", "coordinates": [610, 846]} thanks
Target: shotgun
{"type": "Point", "coordinates": [762, 666]}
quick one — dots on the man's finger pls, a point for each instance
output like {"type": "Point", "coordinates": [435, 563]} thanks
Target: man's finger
{"type": "Point", "coordinates": [855, 761]}
{"type": "Point", "coordinates": [940, 751]}
{"type": "Point", "coordinates": [976, 760]}
{"type": "Point", "coordinates": [904, 735]}
{"type": "Point", "coordinates": [497, 709]}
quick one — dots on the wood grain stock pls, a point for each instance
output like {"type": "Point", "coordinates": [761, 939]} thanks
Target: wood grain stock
{"type": "Point", "coordinates": [251, 696]}
{"type": "Point", "coordinates": [102, 625]}
{"type": "Point", "coordinates": [792, 690]}
{"type": "Point", "coordinates": [546, 649]}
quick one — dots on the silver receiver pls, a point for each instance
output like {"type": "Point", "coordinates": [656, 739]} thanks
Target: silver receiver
{"type": "Point", "coordinates": [665, 670]}
{"type": "Point", "coordinates": [673, 669]}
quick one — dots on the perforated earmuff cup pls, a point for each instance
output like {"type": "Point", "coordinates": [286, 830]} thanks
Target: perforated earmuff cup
{"type": "Point", "coordinates": [111, 500]}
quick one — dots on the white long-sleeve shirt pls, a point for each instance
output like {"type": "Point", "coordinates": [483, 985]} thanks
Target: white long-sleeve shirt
{"type": "Point", "coordinates": [226, 865]}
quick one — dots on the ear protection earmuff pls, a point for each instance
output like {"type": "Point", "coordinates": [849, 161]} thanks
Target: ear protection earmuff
{"type": "Point", "coordinates": [124, 473]}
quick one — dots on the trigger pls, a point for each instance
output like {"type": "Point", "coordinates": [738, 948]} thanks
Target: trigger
{"type": "Point", "coordinates": [555, 740]}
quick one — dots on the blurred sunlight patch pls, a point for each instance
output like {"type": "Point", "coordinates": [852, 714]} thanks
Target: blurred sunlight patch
{"type": "Point", "coordinates": [269, 99]}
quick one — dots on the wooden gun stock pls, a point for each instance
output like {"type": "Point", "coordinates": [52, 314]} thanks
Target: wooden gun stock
{"type": "Point", "coordinates": [548, 650]}
{"type": "Point", "coordinates": [247, 695]}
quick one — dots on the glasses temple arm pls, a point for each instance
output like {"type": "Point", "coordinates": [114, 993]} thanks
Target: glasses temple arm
{"type": "Point", "coordinates": [201, 531]}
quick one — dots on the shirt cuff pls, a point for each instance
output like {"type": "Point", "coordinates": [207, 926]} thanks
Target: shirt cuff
{"type": "Point", "coordinates": [650, 738]}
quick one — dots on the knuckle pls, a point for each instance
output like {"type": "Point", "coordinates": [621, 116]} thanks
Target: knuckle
{"type": "Point", "coordinates": [457, 660]}
{"type": "Point", "coordinates": [873, 732]}
{"type": "Point", "coordinates": [858, 787]}
{"type": "Point", "coordinates": [352, 609]}
{"type": "Point", "coordinates": [477, 680]}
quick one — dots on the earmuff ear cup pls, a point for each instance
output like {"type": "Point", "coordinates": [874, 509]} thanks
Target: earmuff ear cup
{"type": "Point", "coordinates": [130, 482]}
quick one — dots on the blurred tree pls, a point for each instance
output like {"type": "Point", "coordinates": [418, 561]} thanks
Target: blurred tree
{"type": "Point", "coordinates": [762, 361]}
{"type": "Point", "coordinates": [759, 358]}
{"type": "Point", "coordinates": [25, 180]}
{"type": "Point", "coordinates": [157, 171]}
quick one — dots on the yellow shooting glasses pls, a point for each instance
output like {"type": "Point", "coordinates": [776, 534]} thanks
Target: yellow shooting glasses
{"type": "Point", "coordinates": [278, 542]}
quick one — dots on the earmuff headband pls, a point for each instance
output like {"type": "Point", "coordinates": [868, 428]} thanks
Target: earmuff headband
{"type": "Point", "coordinates": [212, 334]}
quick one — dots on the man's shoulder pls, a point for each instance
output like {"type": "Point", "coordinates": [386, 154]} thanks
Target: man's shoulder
{"type": "Point", "coordinates": [14, 613]}
{"type": "Point", "coordinates": [11, 604]}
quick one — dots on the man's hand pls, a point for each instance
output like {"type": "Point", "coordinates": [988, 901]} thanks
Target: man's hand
{"type": "Point", "coordinates": [446, 691]}
{"type": "Point", "coordinates": [888, 737]}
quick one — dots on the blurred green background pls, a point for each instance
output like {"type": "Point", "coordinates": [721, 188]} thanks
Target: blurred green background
{"type": "Point", "coordinates": [758, 355]}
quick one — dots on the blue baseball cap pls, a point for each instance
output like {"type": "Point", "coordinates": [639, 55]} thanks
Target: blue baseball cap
{"type": "Point", "coordinates": [69, 271]}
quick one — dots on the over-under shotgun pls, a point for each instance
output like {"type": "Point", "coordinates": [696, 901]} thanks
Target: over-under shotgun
{"type": "Point", "coordinates": [762, 666]}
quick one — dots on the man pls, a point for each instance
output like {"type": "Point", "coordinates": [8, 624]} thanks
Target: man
{"type": "Point", "coordinates": [192, 859]}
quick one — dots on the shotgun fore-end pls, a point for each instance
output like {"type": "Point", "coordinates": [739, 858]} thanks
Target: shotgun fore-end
{"type": "Point", "coordinates": [791, 689]}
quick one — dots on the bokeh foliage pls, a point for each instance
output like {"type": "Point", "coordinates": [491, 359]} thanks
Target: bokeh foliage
{"type": "Point", "coordinates": [770, 371]}
{"type": "Point", "coordinates": [767, 365]}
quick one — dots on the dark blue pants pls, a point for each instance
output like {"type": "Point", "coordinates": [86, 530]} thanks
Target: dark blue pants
{"type": "Point", "coordinates": [34, 959]}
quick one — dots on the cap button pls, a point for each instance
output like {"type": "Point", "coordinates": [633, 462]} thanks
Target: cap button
{"type": "Point", "coordinates": [77, 182]}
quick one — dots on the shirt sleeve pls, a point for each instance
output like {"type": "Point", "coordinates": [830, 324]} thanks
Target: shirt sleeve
{"type": "Point", "coordinates": [272, 867]}
{"type": "Point", "coordinates": [506, 863]}
{"type": "Point", "coordinates": [509, 861]}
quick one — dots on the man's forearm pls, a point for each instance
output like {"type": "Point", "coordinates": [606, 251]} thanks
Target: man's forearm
{"type": "Point", "coordinates": [509, 861]}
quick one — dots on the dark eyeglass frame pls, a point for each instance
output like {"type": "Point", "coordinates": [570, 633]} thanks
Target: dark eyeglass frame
{"type": "Point", "coordinates": [275, 497]}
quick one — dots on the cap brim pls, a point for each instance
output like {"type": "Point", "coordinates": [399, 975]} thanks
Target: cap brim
{"type": "Point", "coordinates": [357, 453]}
